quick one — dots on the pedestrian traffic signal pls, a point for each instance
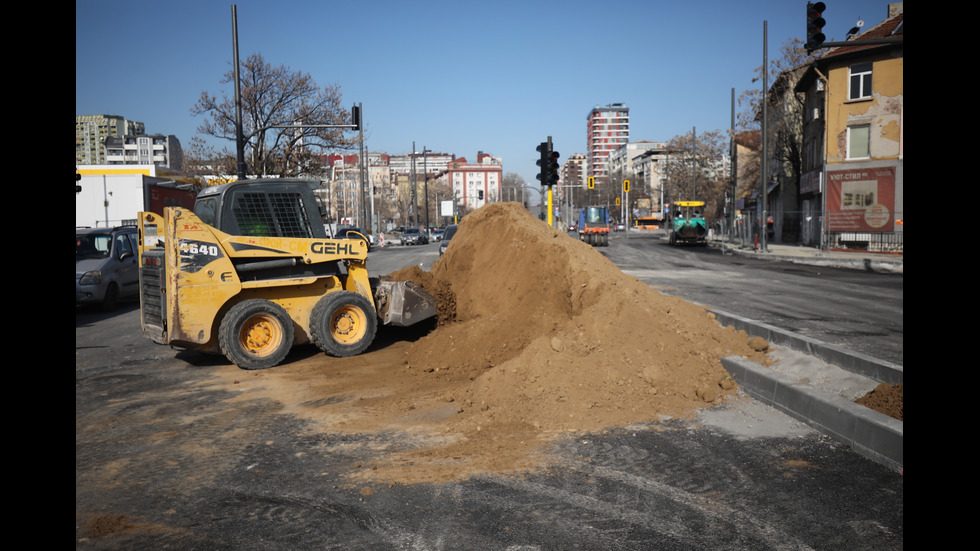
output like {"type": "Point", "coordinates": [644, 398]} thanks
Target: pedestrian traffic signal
{"type": "Point", "coordinates": [814, 25]}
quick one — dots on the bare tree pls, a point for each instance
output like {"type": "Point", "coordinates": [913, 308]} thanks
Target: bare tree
{"type": "Point", "coordinates": [784, 112]}
{"type": "Point", "coordinates": [439, 190]}
{"type": "Point", "coordinates": [201, 159]}
{"type": "Point", "coordinates": [697, 168]}
{"type": "Point", "coordinates": [512, 187]}
{"type": "Point", "coordinates": [604, 192]}
{"type": "Point", "coordinates": [271, 97]}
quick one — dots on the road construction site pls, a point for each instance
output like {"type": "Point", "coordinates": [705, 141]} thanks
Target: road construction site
{"type": "Point", "coordinates": [555, 403]}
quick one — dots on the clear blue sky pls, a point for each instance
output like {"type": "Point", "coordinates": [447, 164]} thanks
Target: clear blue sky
{"type": "Point", "coordinates": [453, 76]}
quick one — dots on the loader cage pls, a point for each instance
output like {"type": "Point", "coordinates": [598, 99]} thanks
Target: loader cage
{"type": "Point", "coordinates": [261, 208]}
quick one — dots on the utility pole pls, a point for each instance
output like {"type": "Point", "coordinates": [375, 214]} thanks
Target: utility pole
{"type": "Point", "coordinates": [415, 201]}
{"type": "Point", "coordinates": [425, 176]}
{"type": "Point", "coordinates": [765, 132]}
{"type": "Point", "coordinates": [694, 157]}
{"type": "Point", "coordinates": [239, 137]}
{"type": "Point", "coordinates": [732, 177]}
{"type": "Point", "coordinates": [362, 172]}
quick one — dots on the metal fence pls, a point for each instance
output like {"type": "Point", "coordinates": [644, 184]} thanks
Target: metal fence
{"type": "Point", "coordinates": [873, 229]}
{"type": "Point", "coordinates": [875, 242]}
{"type": "Point", "coordinates": [807, 229]}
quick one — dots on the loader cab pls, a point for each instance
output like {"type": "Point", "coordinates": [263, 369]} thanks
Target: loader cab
{"type": "Point", "coordinates": [272, 207]}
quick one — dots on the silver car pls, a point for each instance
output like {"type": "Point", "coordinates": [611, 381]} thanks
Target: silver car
{"type": "Point", "coordinates": [446, 237]}
{"type": "Point", "coordinates": [106, 266]}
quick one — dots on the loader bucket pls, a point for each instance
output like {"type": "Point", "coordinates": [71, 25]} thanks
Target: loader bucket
{"type": "Point", "coordinates": [403, 303]}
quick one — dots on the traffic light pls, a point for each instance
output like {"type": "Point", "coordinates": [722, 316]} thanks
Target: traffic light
{"type": "Point", "coordinates": [355, 116]}
{"type": "Point", "coordinates": [626, 186]}
{"type": "Point", "coordinates": [814, 25]}
{"type": "Point", "coordinates": [548, 163]}
{"type": "Point", "coordinates": [591, 182]}
{"type": "Point", "coordinates": [553, 167]}
{"type": "Point", "coordinates": [542, 162]}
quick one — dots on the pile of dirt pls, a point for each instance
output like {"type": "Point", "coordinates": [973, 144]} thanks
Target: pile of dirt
{"type": "Point", "coordinates": [539, 335]}
{"type": "Point", "coordinates": [887, 399]}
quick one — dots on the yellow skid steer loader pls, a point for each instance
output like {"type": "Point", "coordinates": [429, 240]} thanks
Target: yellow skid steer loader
{"type": "Point", "coordinates": [251, 272]}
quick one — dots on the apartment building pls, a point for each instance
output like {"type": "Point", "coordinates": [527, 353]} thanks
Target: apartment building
{"type": "Point", "coordinates": [648, 173]}
{"type": "Point", "coordinates": [420, 162]}
{"type": "Point", "coordinates": [607, 129]}
{"type": "Point", "coordinates": [476, 184]}
{"type": "Point", "coordinates": [398, 190]}
{"type": "Point", "coordinates": [155, 149]}
{"type": "Point", "coordinates": [91, 132]}
{"type": "Point", "coordinates": [573, 170]}
{"type": "Point", "coordinates": [623, 160]}
{"type": "Point", "coordinates": [852, 186]}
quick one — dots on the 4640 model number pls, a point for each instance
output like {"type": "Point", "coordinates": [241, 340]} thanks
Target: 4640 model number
{"type": "Point", "coordinates": [194, 255]}
{"type": "Point", "coordinates": [203, 249]}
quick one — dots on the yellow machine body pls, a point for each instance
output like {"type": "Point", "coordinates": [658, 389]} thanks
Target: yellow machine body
{"type": "Point", "coordinates": [206, 271]}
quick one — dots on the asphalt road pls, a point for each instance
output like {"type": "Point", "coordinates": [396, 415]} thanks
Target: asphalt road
{"type": "Point", "coordinates": [858, 310]}
{"type": "Point", "coordinates": [164, 458]}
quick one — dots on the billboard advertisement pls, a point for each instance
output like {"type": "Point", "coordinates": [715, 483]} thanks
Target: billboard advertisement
{"type": "Point", "coordinates": [861, 200]}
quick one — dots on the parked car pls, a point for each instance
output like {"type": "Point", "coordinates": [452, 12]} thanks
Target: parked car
{"type": "Point", "coordinates": [106, 266]}
{"type": "Point", "coordinates": [438, 233]}
{"type": "Point", "coordinates": [619, 227]}
{"type": "Point", "coordinates": [356, 233]}
{"type": "Point", "coordinates": [446, 237]}
{"type": "Point", "coordinates": [414, 236]}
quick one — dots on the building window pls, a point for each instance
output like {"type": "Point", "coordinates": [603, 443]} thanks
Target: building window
{"type": "Point", "coordinates": [859, 142]}
{"type": "Point", "coordinates": [859, 81]}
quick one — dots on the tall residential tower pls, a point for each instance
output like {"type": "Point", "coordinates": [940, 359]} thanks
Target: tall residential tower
{"type": "Point", "coordinates": [608, 129]}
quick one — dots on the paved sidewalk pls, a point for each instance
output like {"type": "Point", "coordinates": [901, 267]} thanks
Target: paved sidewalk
{"type": "Point", "coordinates": [875, 262]}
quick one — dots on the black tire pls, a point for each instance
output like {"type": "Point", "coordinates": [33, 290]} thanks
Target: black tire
{"type": "Point", "coordinates": [256, 334]}
{"type": "Point", "coordinates": [111, 299]}
{"type": "Point", "coordinates": [343, 323]}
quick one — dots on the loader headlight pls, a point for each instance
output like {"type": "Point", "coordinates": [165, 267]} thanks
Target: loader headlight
{"type": "Point", "coordinates": [91, 278]}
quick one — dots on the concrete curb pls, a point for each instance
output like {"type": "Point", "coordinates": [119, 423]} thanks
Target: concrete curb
{"type": "Point", "coordinates": [855, 362]}
{"type": "Point", "coordinates": [853, 261]}
{"type": "Point", "coordinates": [871, 434]}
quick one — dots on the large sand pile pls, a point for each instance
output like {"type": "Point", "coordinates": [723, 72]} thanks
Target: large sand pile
{"type": "Point", "coordinates": [540, 335]}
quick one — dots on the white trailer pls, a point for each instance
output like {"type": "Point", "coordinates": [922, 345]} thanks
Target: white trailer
{"type": "Point", "coordinates": [112, 195]}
